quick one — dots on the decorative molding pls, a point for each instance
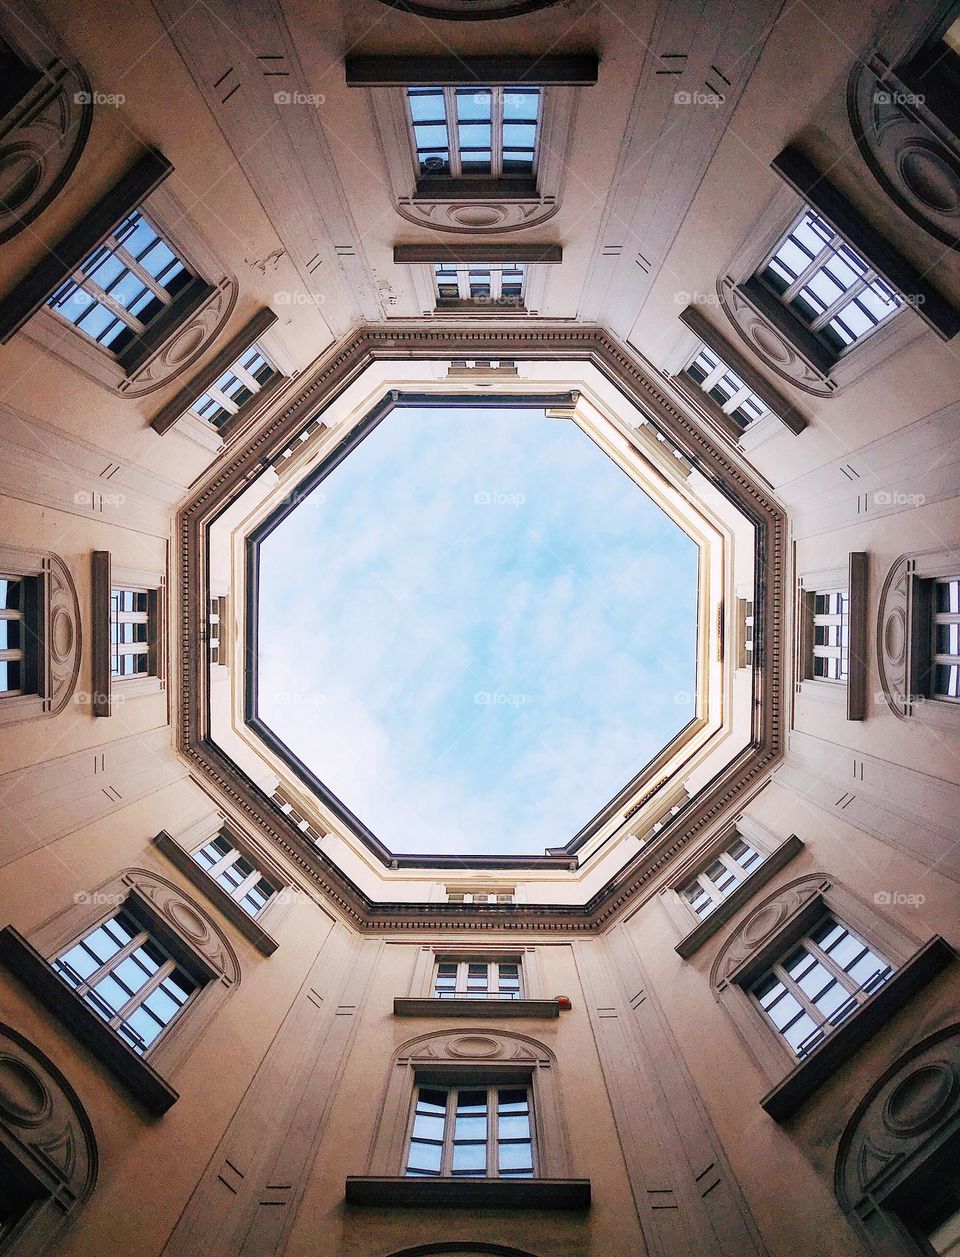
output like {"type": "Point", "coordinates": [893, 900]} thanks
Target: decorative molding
{"type": "Point", "coordinates": [902, 1126]}
{"type": "Point", "coordinates": [57, 634]}
{"type": "Point", "coordinates": [45, 1131]}
{"type": "Point", "coordinates": [43, 135]}
{"type": "Point", "coordinates": [344, 364]}
{"type": "Point", "coordinates": [911, 153]}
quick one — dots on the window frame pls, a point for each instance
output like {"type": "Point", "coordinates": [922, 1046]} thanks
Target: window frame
{"type": "Point", "coordinates": [853, 584]}
{"type": "Point", "coordinates": [455, 173]}
{"type": "Point", "coordinates": [179, 849]}
{"type": "Point", "coordinates": [738, 873]}
{"type": "Point", "coordinates": [492, 1085]}
{"type": "Point", "coordinates": [767, 933]}
{"type": "Point", "coordinates": [463, 964]}
{"type": "Point", "coordinates": [906, 603]}
{"type": "Point", "coordinates": [193, 320]}
{"type": "Point", "coordinates": [160, 905]}
{"type": "Point", "coordinates": [52, 608]}
{"type": "Point", "coordinates": [108, 688]}
{"type": "Point", "coordinates": [462, 274]}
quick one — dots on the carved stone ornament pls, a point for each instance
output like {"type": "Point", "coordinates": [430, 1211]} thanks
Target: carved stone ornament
{"type": "Point", "coordinates": [477, 217]}
{"type": "Point", "coordinates": [186, 344]}
{"type": "Point", "coordinates": [765, 341]}
{"type": "Point", "coordinates": [762, 924]}
{"type": "Point", "coordinates": [43, 135]}
{"type": "Point", "coordinates": [43, 1126]}
{"type": "Point", "coordinates": [902, 1121]}
{"type": "Point", "coordinates": [893, 636]}
{"type": "Point", "coordinates": [192, 924]}
{"type": "Point", "coordinates": [63, 634]}
{"type": "Point", "coordinates": [476, 1046]}
{"type": "Point", "coordinates": [913, 156]}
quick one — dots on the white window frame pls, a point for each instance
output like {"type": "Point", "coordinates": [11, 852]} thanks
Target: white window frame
{"type": "Point", "coordinates": [740, 396]}
{"type": "Point", "coordinates": [84, 986]}
{"type": "Point", "coordinates": [857, 994]}
{"type": "Point", "coordinates": [492, 989]}
{"type": "Point", "coordinates": [835, 654]}
{"type": "Point", "coordinates": [941, 659]}
{"type": "Point", "coordinates": [226, 860]}
{"type": "Point", "coordinates": [490, 1142]}
{"type": "Point", "coordinates": [16, 615]}
{"type": "Point", "coordinates": [144, 648]}
{"type": "Point", "coordinates": [452, 146]}
{"type": "Point", "coordinates": [468, 275]}
{"type": "Point", "coordinates": [481, 894]}
{"type": "Point", "coordinates": [868, 281]}
{"type": "Point", "coordinates": [711, 890]}
{"type": "Point", "coordinates": [238, 374]}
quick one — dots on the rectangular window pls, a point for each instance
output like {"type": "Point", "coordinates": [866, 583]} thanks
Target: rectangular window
{"type": "Point", "coordinates": [471, 1132]}
{"type": "Point", "coordinates": [480, 896]}
{"type": "Point", "coordinates": [464, 131]}
{"type": "Point", "coordinates": [238, 876]}
{"type": "Point", "coordinates": [712, 376]}
{"type": "Point", "coordinates": [481, 283]}
{"type": "Point", "coordinates": [816, 986]}
{"type": "Point", "coordinates": [128, 979]}
{"type": "Point", "coordinates": [945, 673]}
{"type": "Point", "coordinates": [830, 653]}
{"type": "Point", "coordinates": [129, 632]}
{"type": "Point", "coordinates": [477, 979]}
{"type": "Point", "coordinates": [242, 380]}
{"type": "Point", "coordinates": [12, 634]}
{"type": "Point", "coordinates": [122, 287]}
{"type": "Point", "coordinates": [707, 889]}
{"type": "Point", "coordinates": [827, 285]}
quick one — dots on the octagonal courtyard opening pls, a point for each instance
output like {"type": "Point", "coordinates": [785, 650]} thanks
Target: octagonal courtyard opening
{"type": "Point", "coordinates": [472, 627]}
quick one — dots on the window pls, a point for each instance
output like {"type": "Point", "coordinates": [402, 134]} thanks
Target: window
{"type": "Point", "coordinates": [16, 636]}
{"type": "Point", "coordinates": [745, 627]}
{"type": "Point", "coordinates": [128, 979]}
{"type": "Point", "coordinates": [471, 1132]}
{"type": "Point", "coordinates": [707, 890]}
{"type": "Point", "coordinates": [122, 287]}
{"type": "Point", "coordinates": [827, 285]}
{"type": "Point", "coordinates": [18, 1195]}
{"type": "Point", "coordinates": [477, 979]}
{"type": "Point", "coordinates": [463, 131]}
{"type": "Point", "coordinates": [820, 981]}
{"type": "Point", "coordinates": [239, 877]}
{"type": "Point", "coordinates": [302, 823]}
{"type": "Point", "coordinates": [830, 658]}
{"type": "Point", "coordinates": [932, 1214]}
{"type": "Point", "coordinates": [129, 632]}
{"type": "Point", "coordinates": [215, 627]}
{"type": "Point", "coordinates": [480, 896]}
{"type": "Point", "coordinates": [246, 377]}
{"type": "Point", "coordinates": [945, 647]}
{"type": "Point", "coordinates": [711, 374]}
{"type": "Point", "coordinates": [484, 283]}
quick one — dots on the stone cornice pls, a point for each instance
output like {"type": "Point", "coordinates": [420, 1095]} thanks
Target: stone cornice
{"type": "Point", "coordinates": [251, 448]}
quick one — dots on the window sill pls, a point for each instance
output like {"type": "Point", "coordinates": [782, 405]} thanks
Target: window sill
{"type": "Point", "coordinates": [484, 1008]}
{"type": "Point", "coordinates": [140, 1078]}
{"type": "Point", "coordinates": [246, 924]}
{"type": "Point", "coordinates": [804, 1079]}
{"type": "Point", "coordinates": [774, 862]}
{"type": "Point", "coordinates": [467, 1193]}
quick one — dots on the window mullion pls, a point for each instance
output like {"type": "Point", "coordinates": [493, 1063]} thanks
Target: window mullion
{"type": "Point", "coordinates": [225, 862]}
{"type": "Point", "coordinates": [453, 131]}
{"type": "Point", "coordinates": [449, 1127]}
{"type": "Point", "coordinates": [247, 884]}
{"type": "Point", "coordinates": [109, 965]}
{"type": "Point", "coordinates": [492, 1163]}
{"type": "Point", "coordinates": [93, 289]}
{"type": "Point", "coordinates": [496, 132]}
{"type": "Point", "coordinates": [736, 400]}
{"type": "Point", "coordinates": [799, 995]}
{"type": "Point", "coordinates": [831, 965]}
{"type": "Point", "coordinates": [137, 998]}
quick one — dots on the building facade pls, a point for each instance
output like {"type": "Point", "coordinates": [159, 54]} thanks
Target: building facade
{"type": "Point", "coordinates": [722, 241]}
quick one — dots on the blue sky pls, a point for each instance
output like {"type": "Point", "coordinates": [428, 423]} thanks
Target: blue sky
{"type": "Point", "coordinates": [476, 630]}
